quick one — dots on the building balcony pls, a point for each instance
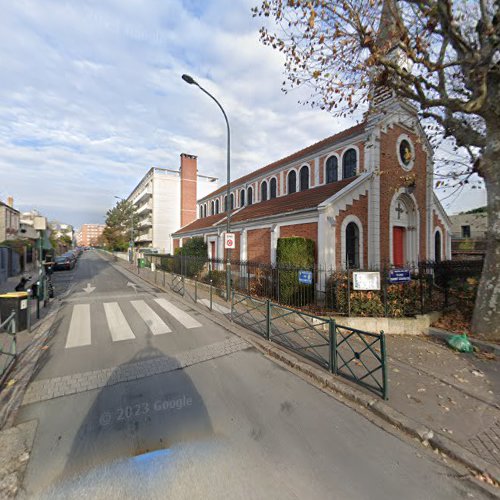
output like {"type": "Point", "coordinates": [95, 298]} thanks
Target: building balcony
{"type": "Point", "coordinates": [145, 208]}
{"type": "Point", "coordinates": [144, 237]}
{"type": "Point", "coordinates": [143, 196]}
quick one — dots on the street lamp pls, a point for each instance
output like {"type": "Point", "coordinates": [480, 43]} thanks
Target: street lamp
{"type": "Point", "coordinates": [131, 244]}
{"type": "Point", "coordinates": [192, 81]}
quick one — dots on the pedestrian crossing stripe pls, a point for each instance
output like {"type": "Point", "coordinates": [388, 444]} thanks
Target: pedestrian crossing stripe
{"type": "Point", "coordinates": [154, 322]}
{"type": "Point", "coordinates": [79, 332]}
{"type": "Point", "coordinates": [117, 323]}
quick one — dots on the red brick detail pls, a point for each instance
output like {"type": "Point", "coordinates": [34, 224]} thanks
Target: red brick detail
{"type": "Point", "coordinates": [176, 244]}
{"type": "Point", "coordinates": [308, 230]}
{"type": "Point", "coordinates": [392, 178]}
{"type": "Point", "coordinates": [359, 208]}
{"type": "Point", "coordinates": [259, 245]}
{"type": "Point", "coordinates": [189, 177]}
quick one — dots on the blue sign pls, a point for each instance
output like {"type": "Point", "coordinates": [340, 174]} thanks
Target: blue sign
{"type": "Point", "coordinates": [305, 277]}
{"type": "Point", "coordinates": [399, 276]}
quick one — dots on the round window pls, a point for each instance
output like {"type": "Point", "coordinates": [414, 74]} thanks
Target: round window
{"type": "Point", "coordinates": [405, 153]}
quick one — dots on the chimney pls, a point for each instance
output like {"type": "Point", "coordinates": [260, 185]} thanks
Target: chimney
{"type": "Point", "coordinates": [10, 201]}
{"type": "Point", "coordinates": [189, 177]}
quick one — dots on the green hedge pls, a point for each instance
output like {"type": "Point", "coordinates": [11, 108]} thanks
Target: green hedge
{"type": "Point", "coordinates": [296, 254]}
{"type": "Point", "coordinates": [195, 253]}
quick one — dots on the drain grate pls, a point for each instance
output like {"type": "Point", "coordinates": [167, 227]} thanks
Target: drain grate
{"type": "Point", "coordinates": [486, 444]}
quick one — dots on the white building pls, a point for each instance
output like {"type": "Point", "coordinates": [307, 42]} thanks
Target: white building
{"type": "Point", "coordinates": [166, 200]}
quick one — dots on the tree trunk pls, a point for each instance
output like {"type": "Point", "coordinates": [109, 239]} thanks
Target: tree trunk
{"type": "Point", "coordinates": [486, 317]}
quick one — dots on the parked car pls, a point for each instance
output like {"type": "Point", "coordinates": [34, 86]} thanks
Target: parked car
{"type": "Point", "coordinates": [63, 263]}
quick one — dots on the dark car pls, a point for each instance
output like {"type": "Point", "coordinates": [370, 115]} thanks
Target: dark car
{"type": "Point", "coordinates": [63, 263]}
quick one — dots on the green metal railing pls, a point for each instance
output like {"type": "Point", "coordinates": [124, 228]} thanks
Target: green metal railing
{"type": "Point", "coordinates": [8, 346]}
{"type": "Point", "coordinates": [354, 354]}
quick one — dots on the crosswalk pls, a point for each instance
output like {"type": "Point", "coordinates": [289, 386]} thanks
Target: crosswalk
{"type": "Point", "coordinates": [80, 331]}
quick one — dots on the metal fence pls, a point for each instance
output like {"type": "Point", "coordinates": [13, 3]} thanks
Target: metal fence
{"type": "Point", "coordinates": [8, 350]}
{"type": "Point", "coordinates": [433, 286]}
{"type": "Point", "coordinates": [354, 354]}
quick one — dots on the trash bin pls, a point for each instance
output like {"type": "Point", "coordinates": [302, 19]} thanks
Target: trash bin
{"type": "Point", "coordinates": [141, 262]}
{"type": "Point", "coordinates": [17, 301]}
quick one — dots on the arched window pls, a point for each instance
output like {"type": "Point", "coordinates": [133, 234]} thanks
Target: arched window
{"type": "Point", "coordinates": [242, 198]}
{"type": "Point", "coordinates": [349, 164]}
{"type": "Point", "coordinates": [217, 206]}
{"type": "Point", "coordinates": [263, 191]}
{"type": "Point", "coordinates": [212, 207]}
{"type": "Point", "coordinates": [437, 246]}
{"type": "Point", "coordinates": [352, 245]}
{"type": "Point", "coordinates": [225, 203]}
{"type": "Point", "coordinates": [292, 182]}
{"type": "Point", "coordinates": [231, 201]}
{"type": "Point", "coordinates": [304, 178]}
{"type": "Point", "coordinates": [332, 170]}
{"type": "Point", "coordinates": [250, 195]}
{"type": "Point", "coordinates": [273, 188]}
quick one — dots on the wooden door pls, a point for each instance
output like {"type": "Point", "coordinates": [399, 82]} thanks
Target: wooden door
{"type": "Point", "coordinates": [398, 246]}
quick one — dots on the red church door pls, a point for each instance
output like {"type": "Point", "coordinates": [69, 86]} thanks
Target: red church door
{"type": "Point", "coordinates": [398, 242]}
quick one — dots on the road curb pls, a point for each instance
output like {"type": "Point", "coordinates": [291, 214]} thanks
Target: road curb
{"type": "Point", "coordinates": [481, 344]}
{"type": "Point", "coordinates": [324, 379]}
{"type": "Point", "coordinates": [11, 396]}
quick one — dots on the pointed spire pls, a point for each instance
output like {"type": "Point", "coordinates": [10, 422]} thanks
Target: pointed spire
{"type": "Point", "coordinates": [390, 31]}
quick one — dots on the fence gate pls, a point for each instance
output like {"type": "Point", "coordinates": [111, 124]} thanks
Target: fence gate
{"type": "Point", "coordinates": [361, 357]}
{"type": "Point", "coordinates": [177, 284]}
{"type": "Point", "coordinates": [250, 313]}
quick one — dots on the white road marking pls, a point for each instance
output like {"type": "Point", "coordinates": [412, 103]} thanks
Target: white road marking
{"type": "Point", "coordinates": [79, 328]}
{"type": "Point", "coordinates": [181, 316]}
{"type": "Point", "coordinates": [215, 306]}
{"type": "Point", "coordinates": [155, 323]}
{"type": "Point", "coordinates": [117, 323]}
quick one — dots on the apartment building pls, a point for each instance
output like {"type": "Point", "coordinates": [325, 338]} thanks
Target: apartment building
{"type": "Point", "coordinates": [10, 220]}
{"type": "Point", "coordinates": [89, 235]}
{"type": "Point", "coordinates": [165, 200]}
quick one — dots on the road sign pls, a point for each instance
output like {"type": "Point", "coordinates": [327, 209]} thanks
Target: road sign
{"type": "Point", "coordinates": [366, 280]}
{"type": "Point", "coordinates": [305, 277]}
{"type": "Point", "coordinates": [228, 240]}
{"type": "Point", "coordinates": [399, 276]}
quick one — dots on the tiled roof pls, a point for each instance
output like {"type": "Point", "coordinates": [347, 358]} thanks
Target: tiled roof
{"type": "Point", "coordinates": [357, 129]}
{"type": "Point", "coordinates": [284, 204]}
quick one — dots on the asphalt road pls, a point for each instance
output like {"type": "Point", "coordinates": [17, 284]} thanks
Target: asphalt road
{"type": "Point", "coordinates": [139, 396]}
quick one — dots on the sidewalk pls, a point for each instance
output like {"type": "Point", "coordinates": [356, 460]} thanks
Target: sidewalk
{"type": "Point", "coordinates": [449, 400]}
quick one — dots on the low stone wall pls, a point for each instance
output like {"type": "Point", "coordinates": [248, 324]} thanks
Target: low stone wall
{"type": "Point", "coordinates": [417, 325]}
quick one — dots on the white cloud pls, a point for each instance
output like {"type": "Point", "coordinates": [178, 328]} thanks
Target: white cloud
{"type": "Point", "coordinates": [91, 97]}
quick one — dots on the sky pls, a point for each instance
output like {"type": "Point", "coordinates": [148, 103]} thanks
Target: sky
{"type": "Point", "coordinates": [91, 97]}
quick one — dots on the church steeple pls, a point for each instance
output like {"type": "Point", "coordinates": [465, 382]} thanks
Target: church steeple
{"type": "Point", "coordinates": [390, 35]}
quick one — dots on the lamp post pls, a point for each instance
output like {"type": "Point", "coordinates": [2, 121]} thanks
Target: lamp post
{"type": "Point", "coordinates": [131, 243]}
{"type": "Point", "coordinates": [192, 81]}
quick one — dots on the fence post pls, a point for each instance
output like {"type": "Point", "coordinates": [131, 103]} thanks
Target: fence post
{"type": "Point", "coordinates": [268, 319]}
{"type": "Point", "coordinates": [195, 288]}
{"type": "Point", "coordinates": [183, 285]}
{"type": "Point", "coordinates": [384, 365]}
{"type": "Point", "coordinates": [332, 340]}
{"type": "Point", "coordinates": [164, 278]}
{"type": "Point", "coordinates": [211, 292]}
{"type": "Point", "coordinates": [385, 279]}
{"type": "Point", "coordinates": [232, 305]}
{"type": "Point", "coordinates": [421, 277]}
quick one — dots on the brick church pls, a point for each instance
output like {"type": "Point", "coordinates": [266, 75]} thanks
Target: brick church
{"type": "Point", "coordinates": [364, 196]}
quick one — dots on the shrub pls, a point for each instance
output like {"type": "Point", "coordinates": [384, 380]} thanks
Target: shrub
{"type": "Point", "coordinates": [294, 254]}
{"type": "Point", "coordinates": [193, 256]}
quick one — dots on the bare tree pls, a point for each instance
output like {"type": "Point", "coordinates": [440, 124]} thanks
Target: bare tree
{"type": "Point", "coordinates": [443, 56]}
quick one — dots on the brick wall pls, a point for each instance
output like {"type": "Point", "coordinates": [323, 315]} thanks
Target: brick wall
{"type": "Point", "coordinates": [189, 177]}
{"type": "Point", "coordinates": [176, 244]}
{"type": "Point", "coordinates": [359, 208]}
{"type": "Point", "coordinates": [259, 245]}
{"type": "Point", "coordinates": [391, 179]}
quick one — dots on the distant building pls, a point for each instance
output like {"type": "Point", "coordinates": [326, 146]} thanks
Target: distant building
{"type": "Point", "coordinates": [10, 220]}
{"type": "Point", "coordinates": [166, 200]}
{"type": "Point", "coordinates": [469, 235]}
{"type": "Point", "coordinates": [89, 235]}
{"type": "Point", "coordinates": [59, 230]}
